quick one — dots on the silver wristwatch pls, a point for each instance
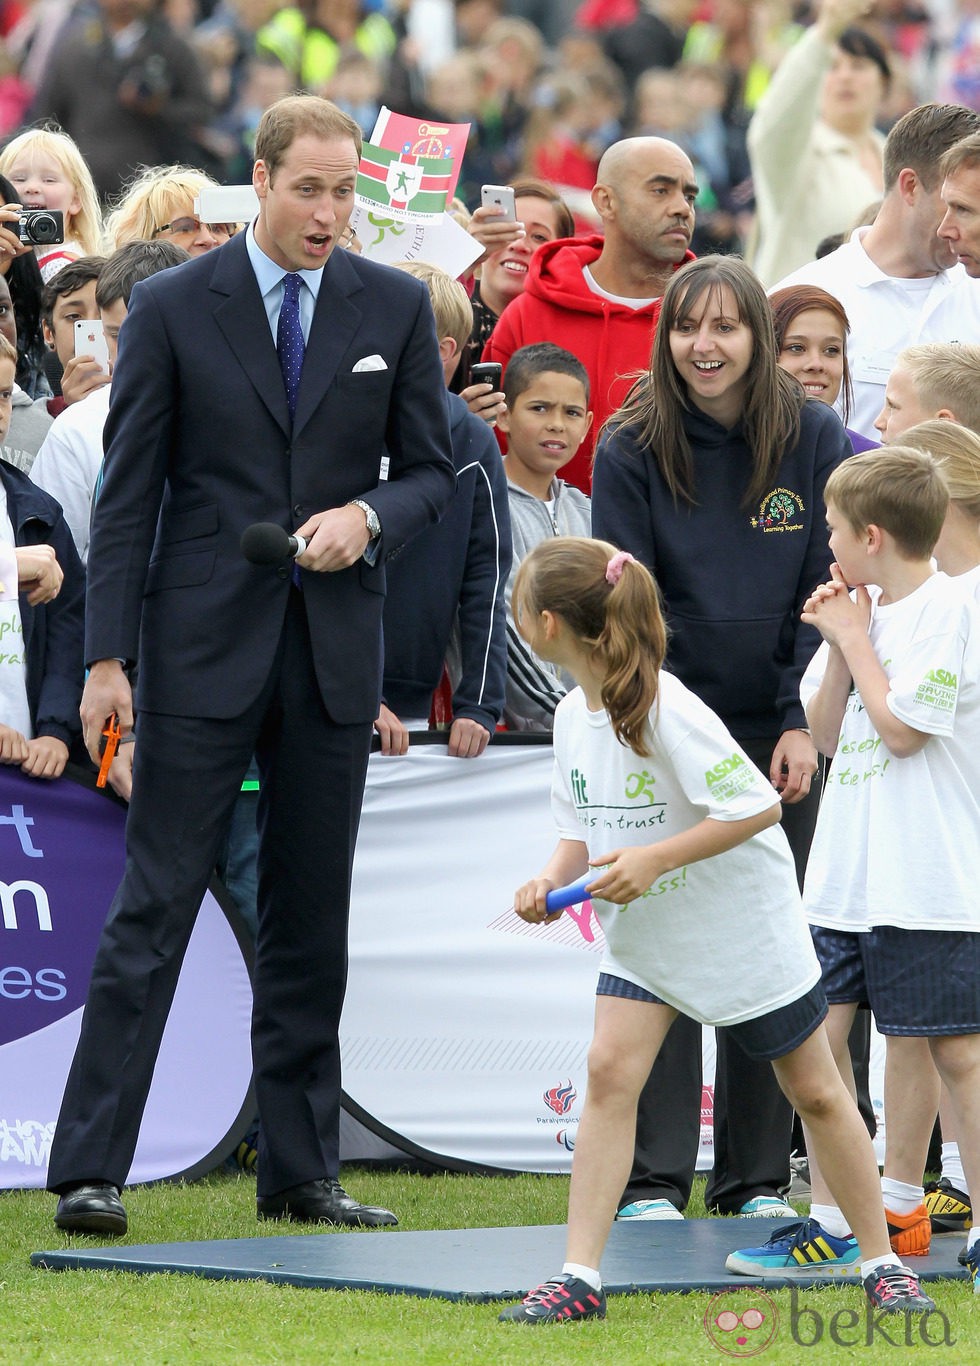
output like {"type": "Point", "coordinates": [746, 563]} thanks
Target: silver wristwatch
{"type": "Point", "coordinates": [370, 516]}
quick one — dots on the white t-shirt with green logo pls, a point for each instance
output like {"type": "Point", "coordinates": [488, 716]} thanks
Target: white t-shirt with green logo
{"type": "Point", "coordinates": [14, 709]}
{"type": "Point", "coordinates": [724, 939]}
{"type": "Point", "coordinates": [898, 840]}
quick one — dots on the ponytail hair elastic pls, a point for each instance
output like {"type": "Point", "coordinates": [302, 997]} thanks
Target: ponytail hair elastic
{"type": "Point", "coordinates": [614, 569]}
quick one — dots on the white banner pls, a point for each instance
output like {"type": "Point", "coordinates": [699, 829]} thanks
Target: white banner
{"type": "Point", "coordinates": [466, 1031]}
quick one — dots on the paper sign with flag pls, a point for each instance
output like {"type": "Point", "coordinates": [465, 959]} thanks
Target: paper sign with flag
{"type": "Point", "coordinates": [408, 187]}
{"type": "Point", "coordinates": [423, 138]}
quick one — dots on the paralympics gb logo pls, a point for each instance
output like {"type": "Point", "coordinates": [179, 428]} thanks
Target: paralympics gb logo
{"type": "Point", "coordinates": [560, 1099]}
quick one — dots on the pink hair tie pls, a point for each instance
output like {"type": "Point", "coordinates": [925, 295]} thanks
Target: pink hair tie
{"type": "Point", "coordinates": [614, 569]}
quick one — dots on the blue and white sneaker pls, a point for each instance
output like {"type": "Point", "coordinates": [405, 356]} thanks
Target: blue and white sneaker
{"type": "Point", "coordinates": [970, 1257]}
{"type": "Point", "coordinates": [649, 1209]}
{"type": "Point", "coordinates": [768, 1207]}
{"type": "Point", "coordinates": [798, 1250]}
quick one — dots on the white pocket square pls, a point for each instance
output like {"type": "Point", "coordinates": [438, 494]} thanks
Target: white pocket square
{"type": "Point", "coordinates": [369, 363]}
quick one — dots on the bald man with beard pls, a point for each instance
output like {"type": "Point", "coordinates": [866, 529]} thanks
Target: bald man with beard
{"type": "Point", "coordinates": [599, 296]}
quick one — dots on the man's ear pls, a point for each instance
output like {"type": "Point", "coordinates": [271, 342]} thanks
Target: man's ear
{"type": "Point", "coordinates": [261, 179]}
{"type": "Point", "coordinates": [47, 334]}
{"type": "Point", "coordinates": [908, 183]}
{"type": "Point", "coordinates": [602, 200]}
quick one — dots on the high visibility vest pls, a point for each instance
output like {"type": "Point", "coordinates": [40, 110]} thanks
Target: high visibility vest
{"type": "Point", "coordinates": [309, 53]}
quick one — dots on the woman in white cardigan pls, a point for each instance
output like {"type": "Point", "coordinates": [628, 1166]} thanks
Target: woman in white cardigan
{"type": "Point", "coordinates": [814, 148]}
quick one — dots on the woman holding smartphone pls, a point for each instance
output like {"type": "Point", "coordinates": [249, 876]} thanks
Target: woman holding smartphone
{"type": "Point", "coordinates": [712, 475]}
{"type": "Point", "coordinates": [509, 240]}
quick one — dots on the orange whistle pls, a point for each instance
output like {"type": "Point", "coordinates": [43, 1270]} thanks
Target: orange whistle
{"type": "Point", "coordinates": [111, 736]}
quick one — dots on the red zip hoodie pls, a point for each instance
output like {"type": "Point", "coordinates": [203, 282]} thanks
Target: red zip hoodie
{"type": "Point", "coordinates": [612, 341]}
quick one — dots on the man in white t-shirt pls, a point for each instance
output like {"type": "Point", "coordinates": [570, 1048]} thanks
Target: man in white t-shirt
{"type": "Point", "coordinates": [889, 277]}
{"type": "Point", "coordinates": [957, 318]}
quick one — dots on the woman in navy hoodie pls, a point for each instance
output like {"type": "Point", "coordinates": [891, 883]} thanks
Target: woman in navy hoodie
{"type": "Point", "coordinates": [712, 474]}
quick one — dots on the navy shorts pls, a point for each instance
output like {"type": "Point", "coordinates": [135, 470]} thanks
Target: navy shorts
{"type": "Point", "coordinates": [917, 982]}
{"type": "Point", "coordinates": [766, 1037]}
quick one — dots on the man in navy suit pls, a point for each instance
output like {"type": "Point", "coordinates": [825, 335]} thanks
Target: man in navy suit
{"type": "Point", "coordinates": [223, 415]}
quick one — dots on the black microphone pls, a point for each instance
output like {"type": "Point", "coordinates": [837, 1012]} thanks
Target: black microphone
{"type": "Point", "coordinates": [268, 543]}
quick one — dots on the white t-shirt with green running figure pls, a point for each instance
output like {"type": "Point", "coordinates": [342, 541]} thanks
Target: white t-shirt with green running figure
{"type": "Point", "coordinates": [723, 939]}
{"type": "Point", "coordinates": [898, 840]}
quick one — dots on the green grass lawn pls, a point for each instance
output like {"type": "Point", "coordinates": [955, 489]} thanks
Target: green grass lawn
{"type": "Point", "coordinates": [115, 1317]}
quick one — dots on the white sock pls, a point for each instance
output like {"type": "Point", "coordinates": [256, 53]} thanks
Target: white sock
{"type": "Point", "coordinates": [973, 1237]}
{"type": "Point", "coordinates": [900, 1196]}
{"type": "Point", "coordinates": [874, 1262]}
{"type": "Point", "coordinates": [830, 1218]}
{"type": "Point", "coordinates": [587, 1274]}
{"type": "Point", "coordinates": [953, 1167]}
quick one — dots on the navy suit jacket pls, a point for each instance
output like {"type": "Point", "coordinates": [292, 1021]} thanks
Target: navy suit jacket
{"type": "Point", "coordinates": [199, 446]}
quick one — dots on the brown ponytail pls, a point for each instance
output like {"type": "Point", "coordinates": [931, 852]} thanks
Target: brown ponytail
{"type": "Point", "coordinates": [620, 621]}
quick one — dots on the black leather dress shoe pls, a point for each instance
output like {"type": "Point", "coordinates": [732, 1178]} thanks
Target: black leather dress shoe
{"type": "Point", "coordinates": [322, 1202]}
{"type": "Point", "coordinates": [92, 1208]}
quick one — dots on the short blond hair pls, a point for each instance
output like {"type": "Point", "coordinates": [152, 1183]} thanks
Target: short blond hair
{"type": "Point", "coordinates": [451, 306]}
{"type": "Point", "coordinates": [149, 202]}
{"type": "Point", "coordinates": [957, 450]}
{"type": "Point", "coordinates": [85, 226]}
{"type": "Point", "coordinates": [7, 352]}
{"type": "Point", "coordinates": [946, 375]}
{"type": "Point", "coordinates": [897, 488]}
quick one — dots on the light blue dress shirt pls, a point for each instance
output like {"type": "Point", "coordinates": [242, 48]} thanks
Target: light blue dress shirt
{"type": "Point", "coordinates": [270, 278]}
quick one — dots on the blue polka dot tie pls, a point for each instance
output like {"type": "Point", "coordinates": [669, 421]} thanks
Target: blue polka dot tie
{"type": "Point", "coordinates": [289, 340]}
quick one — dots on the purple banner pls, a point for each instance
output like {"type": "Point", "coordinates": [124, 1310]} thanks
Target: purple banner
{"type": "Point", "coordinates": [61, 858]}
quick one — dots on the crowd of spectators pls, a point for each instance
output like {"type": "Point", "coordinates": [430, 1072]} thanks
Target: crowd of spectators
{"type": "Point", "coordinates": [546, 86]}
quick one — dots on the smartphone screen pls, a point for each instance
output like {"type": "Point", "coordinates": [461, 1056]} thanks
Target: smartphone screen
{"type": "Point", "coordinates": [90, 341]}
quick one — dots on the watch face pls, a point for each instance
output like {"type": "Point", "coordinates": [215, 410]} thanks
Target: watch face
{"type": "Point", "coordinates": [370, 517]}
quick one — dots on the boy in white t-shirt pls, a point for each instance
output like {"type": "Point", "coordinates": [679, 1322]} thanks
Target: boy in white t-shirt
{"type": "Point", "coordinates": [891, 886]}
{"type": "Point", "coordinates": [42, 592]}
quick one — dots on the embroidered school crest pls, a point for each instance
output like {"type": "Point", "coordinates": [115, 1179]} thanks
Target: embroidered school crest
{"type": "Point", "coordinates": [780, 510]}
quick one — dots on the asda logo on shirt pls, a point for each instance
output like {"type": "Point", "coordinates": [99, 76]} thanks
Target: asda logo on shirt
{"type": "Point", "coordinates": [729, 778]}
{"type": "Point", "coordinates": [720, 772]}
{"type": "Point", "coordinates": [937, 690]}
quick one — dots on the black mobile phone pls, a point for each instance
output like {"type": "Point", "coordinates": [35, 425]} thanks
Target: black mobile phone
{"type": "Point", "coordinates": [487, 372]}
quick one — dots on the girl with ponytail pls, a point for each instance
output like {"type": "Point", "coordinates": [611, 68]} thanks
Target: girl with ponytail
{"type": "Point", "coordinates": [694, 887]}
{"type": "Point", "coordinates": [712, 475]}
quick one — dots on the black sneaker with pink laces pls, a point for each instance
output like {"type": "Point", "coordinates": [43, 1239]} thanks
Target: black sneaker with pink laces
{"type": "Point", "coordinates": [896, 1290]}
{"type": "Point", "coordinates": [562, 1300]}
